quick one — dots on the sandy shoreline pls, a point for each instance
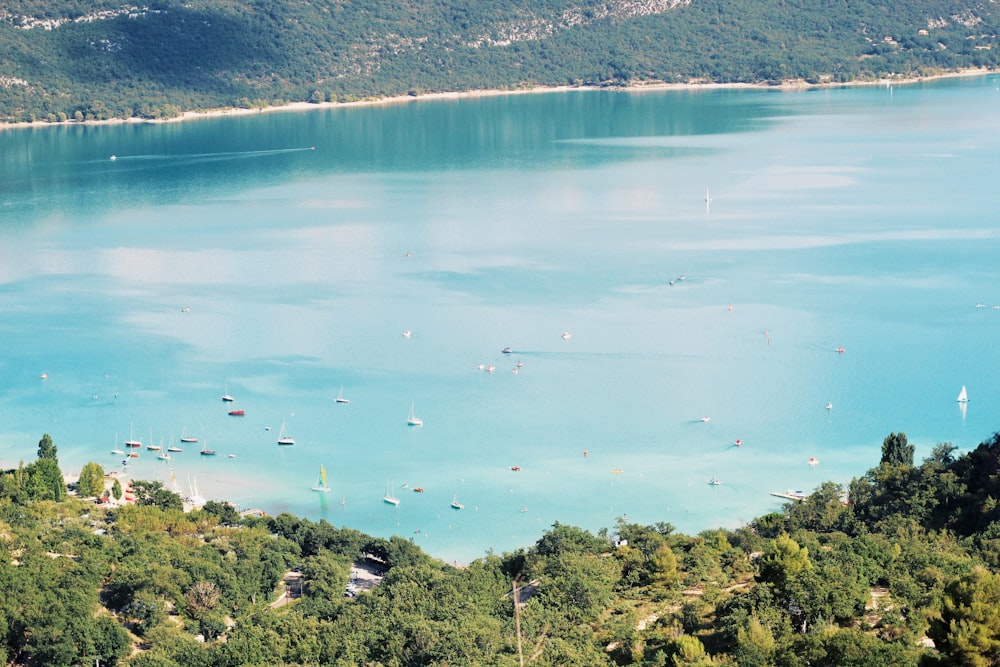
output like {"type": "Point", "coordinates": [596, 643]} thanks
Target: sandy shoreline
{"type": "Point", "coordinates": [401, 99]}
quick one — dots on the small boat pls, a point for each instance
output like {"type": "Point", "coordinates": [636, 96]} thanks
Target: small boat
{"type": "Point", "coordinates": [813, 461]}
{"type": "Point", "coordinates": [283, 437]}
{"type": "Point", "coordinates": [738, 443]}
{"type": "Point", "coordinates": [118, 452]}
{"type": "Point", "coordinates": [340, 396]}
{"type": "Point", "coordinates": [153, 448]}
{"type": "Point", "coordinates": [455, 504]}
{"type": "Point", "coordinates": [208, 452]}
{"type": "Point", "coordinates": [617, 471]}
{"type": "Point", "coordinates": [839, 350]}
{"type": "Point", "coordinates": [187, 438]}
{"type": "Point", "coordinates": [515, 468]}
{"type": "Point", "coordinates": [226, 398]}
{"type": "Point", "coordinates": [418, 489]}
{"type": "Point", "coordinates": [963, 396]}
{"type": "Point", "coordinates": [566, 335]}
{"type": "Point", "coordinates": [490, 368]}
{"type": "Point", "coordinates": [388, 497]}
{"type": "Point", "coordinates": [163, 456]}
{"type": "Point", "coordinates": [524, 508]}
{"type": "Point", "coordinates": [507, 350]}
{"type": "Point", "coordinates": [133, 455]}
{"type": "Point", "coordinates": [714, 481]}
{"type": "Point", "coordinates": [237, 413]}
{"type": "Point", "coordinates": [174, 448]}
{"type": "Point", "coordinates": [706, 419]}
{"type": "Point", "coordinates": [407, 333]}
{"type": "Point", "coordinates": [231, 456]}
{"type": "Point", "coordinates": [413, 419]}
{"type": "Point", "coordinates": [829, 406]}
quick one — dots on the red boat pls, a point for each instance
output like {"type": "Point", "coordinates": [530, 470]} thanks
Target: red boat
{"type": "Point", "coordinates": [515, 468]}
{"type": "Point", "coordinates": [236, 413]}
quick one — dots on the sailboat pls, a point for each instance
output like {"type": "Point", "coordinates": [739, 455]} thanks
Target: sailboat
{"type": "Point", "coordinates": [321, 486]}
{"type": "Point", "coordinates": [714, 481]}
{"type": "Point", "coordinates": [226, 398]}
{"type": "Point", "coordinates": [132, 442]}
{"type": "Point", "coordinates": [116, 451]}
{"type": "Point", "coordinates": [187, 438]}
{"type": "Point", "coordinates": [340, 396]}
{"type": "Point", "coordinates": [455, 504]}
{"type": "Point", "coordinates": [963, 396]}
{"type": "Point", "coordinates": [388, 497]}
{"type": "Point", "coordinates": [163, 456]}
{"type": "Point", "coordinates": [283, 437]}
{"type": "Point", "coordinates": [414, 420]}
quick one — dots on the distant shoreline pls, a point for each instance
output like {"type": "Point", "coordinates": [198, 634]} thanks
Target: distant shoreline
{"type": "Point", "coordinates": [794, 85]}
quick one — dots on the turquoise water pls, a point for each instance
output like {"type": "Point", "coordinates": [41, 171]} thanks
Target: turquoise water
{"type": "Point", "coordinates": [281, 256]}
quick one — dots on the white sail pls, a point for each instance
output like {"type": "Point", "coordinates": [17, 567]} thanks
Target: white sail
{"type": "Point", "coordinates": [963, 396]}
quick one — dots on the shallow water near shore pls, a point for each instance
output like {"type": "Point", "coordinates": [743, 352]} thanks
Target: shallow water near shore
{"type": "Point", "coordinates": [707, 252]}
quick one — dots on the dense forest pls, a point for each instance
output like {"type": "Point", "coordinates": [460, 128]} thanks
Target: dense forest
{"type": "Point", "coordinates": [63, 59]}
{"type": "Point", "coordinates": [900, 568]}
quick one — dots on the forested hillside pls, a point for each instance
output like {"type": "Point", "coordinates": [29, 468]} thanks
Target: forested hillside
{"type": "Point", "coordinates": [902, 573]}
{"type": "Point", "coordinates": [64, 59]}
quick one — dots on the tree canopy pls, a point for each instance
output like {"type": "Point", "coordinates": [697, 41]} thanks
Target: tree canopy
{"type": "Point", "coordinates": [62, 60]}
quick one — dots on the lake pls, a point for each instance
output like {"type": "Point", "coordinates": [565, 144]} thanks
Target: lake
{"type": "Point", "coordinates": [809, 270]}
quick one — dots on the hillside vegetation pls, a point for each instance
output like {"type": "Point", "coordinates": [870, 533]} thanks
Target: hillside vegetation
{"type": "Point", "coordinates": [64, 59]}
{"type": "Point", "coordinates": [903, 573]}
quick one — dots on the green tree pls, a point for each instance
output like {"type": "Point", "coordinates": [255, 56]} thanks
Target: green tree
{"type": "Point", "coordinates": [91, 480]}
{"type": "Point", "coordinates": [47, 449]}
{"type": "Point", "coordinates": [116, 489]}
{"type": "Point", "coordinates": [783, 558]}
{"type": "Point", "coordinates": [153, 493]}
{"type": "Point", "coordinates": [968, 630]}
{"type": "Point", "coordinates": [44, 481]}
{"type": "Point", "coordinates": [755, 645]}
{"type": "Point", "coordinates": [896, 451]}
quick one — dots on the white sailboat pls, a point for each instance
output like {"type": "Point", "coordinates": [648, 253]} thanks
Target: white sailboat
{"type": "Point", "coordinates": [388, 497]}
{"type": "Point", "coordinates": [963, 396]}
{"type": "Point", "coordinates": [283, 437]}
{"type": "Point", "coordinates": [321, 486]}
{"type": "Point", "coordinates": [455, 504]}
{"type": "Point", "coordinates": [226, 398]}
{"type": "Point", "coordinates": [413, 419]}
{"type": "Point", "coordinates": [340, 396]}
{"type": "Point", "coordinates": [115, 450]}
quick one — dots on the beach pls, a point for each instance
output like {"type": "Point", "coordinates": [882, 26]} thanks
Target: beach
{"type": "Point", "coordinates": [791, 85]}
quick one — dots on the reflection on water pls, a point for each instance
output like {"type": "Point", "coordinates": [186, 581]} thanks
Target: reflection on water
{"type": "Point", "coordinates": [225, 254]}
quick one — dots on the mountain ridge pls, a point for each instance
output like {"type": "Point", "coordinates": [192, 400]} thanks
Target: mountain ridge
{"type": "Point", "coordinates": [163, 59]}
